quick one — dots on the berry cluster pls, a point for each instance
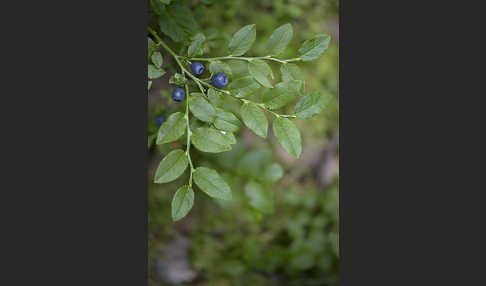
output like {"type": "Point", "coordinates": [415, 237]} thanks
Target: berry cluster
{"type": "Point", "coordinates": [218, 80]}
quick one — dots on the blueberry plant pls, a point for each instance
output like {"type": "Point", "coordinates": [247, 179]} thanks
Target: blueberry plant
{"type": "Point", "coordinates": [204, 122]}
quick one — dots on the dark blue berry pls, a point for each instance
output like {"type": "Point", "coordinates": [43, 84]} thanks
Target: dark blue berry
{"type": "Point", "coordinates": [159, 119]}
{"type": "Point", "coordinates": [178, 94]}
{"type": "Point", "coordinates": [197, 68]}
{"type": "Point", "coordinates": [219, 79]}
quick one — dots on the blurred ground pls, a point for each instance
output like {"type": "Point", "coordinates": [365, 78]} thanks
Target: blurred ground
{"type": "Point", "coordinates": [221, 243]}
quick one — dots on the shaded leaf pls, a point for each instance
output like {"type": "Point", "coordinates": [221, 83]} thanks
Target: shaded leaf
{"type": "Point", "coordinates": [177, 21]}
{"type": "Point", "coordinates": [215, 97]}
{"type": "Point", "coordinates": [226, 121]}
{"type": "Point", "coordinates": [259, 197]}
{"type": "Point", "coordinates": [273, 173]}
{"type": "Point", "coordinates": [219, 66]}
{"type": "Point", "coordinates": [177, 79]}
{"type": "Point", "coordinates": [157, 59]}
{"type": "Point", "coordinates": [196, 49]}
{"type": "Point", "coordinates": [244, 86]}
{"type": "Point", "coordinates": [154, 72]}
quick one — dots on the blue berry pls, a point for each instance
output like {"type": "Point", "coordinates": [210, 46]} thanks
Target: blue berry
{"type": "Point", "coordinates": [178, 94]}
{"type": "Point", "coordinates": [197, 68]}
{"type": "Point", "coordinates": [219, 79]}
{"type": "Point", "coordinates": [159, 119]}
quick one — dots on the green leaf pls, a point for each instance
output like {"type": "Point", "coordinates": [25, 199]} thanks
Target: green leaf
{"type": "Point", "coordinates": [288, 136]}
{"type": "Point", "coordinates": [177, 21]}
{"type": "Point", "coordinates": [195, 49]}
{"type": "Point", "coordinates": [273, 173]}
{"type": "Point", "coordinates": [157, 59]}
{"type": "Point", "coordinates": [177, 79]}
{"type": "Point", "coordinates": [279, 40]}
{"type": "Point", "coordinates": [154, 72]}
{"type": "Point", "coordinates": [152, 47]}
{"type": "Point", "coordinates": [215, 97]}
{"type": "Point", "coordinates": [226, 121]}
{"type": "Point", "coordinates": [242, 40]}
{"type": "Point", "coordinates": [252, 163]}
{"type": "Point", "coordinates": [171, 167]}
{"type": "Point", "coordinates": [229, 137]}
{"type": "Point", "coordinates": [283, 93]}
{"type": "Point", "coordinates": [291, 72]}
{"type": "Point", "coordinates": [314, 48]}
{"type": "Point", "coordinates": [311, 104]}
{"type": "Point", "coordinates": [172, 129]}
{"type": "Point", "coordinates": [254, 118]}
{"type": "Point", "coordinates": [167, 2]}
{"type": "Point", "coordinates": [260, 198]}
{"type": "Point", "coordinates": [210, 140]}
{"type": "Point", "coordinates": [149, 84]}
{"type": "Point", "coordinates": [244, 86]}
{"type": "Point", "coordinates": [210, 182]}
{"type": "Point", "coordinates": [182, 202]}
{"type": "Point", "coordinates": [201, 108]}
{"type": "Point", "coordinates": [260, 70]}
{"type": "Point", "coordinates": [219, 66]}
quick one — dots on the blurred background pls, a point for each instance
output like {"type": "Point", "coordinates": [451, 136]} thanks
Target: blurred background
{"type": "Point", "coordinates": [231, 243]}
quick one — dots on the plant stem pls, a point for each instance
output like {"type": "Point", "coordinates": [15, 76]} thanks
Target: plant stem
{"type": "Point", "coordinates": [246, 59]}
{"type": "Point", "coordinates": [188, 137]}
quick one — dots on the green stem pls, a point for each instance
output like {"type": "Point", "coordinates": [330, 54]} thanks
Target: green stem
{"type": "Point", "coordinates": [246, 59]}
{"type": "Point", "coordinates": [188, 137]}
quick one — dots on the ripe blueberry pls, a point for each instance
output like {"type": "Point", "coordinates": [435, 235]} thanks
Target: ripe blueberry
{"type": "Point", "coordinates": [219, 79]}
{"type": "Point", "coordinates": [178, 94]}
{"type": "Point", "coordinates": [197, 68]}
{"type": "Point", "coordinates": [159, 119]}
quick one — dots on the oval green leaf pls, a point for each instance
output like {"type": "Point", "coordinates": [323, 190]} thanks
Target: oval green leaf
{"type": "Point", "coordinates": [311, 104]}
{"type": "Point", "coordinates": [254, 118]}
{"type": "Point", "coordinates": [314, 48]}
{"type": "Point", "coordinates": [182, 202]}
{"type": "Point", "coordinates": [260, 70]}
{"type": "Point", "coordinates": [171, 167]}
{"type": "Point", "coordinates": [242, 40]}
{"type": "Point", "coordinates": [210, 182]}
{"type": "Point", "coordinates": [201, 108]}
{"type": "Point", "coordinates": [279, 40]}
{"type": "Point", "coordinates": [288, 136]}
{"type": "Point", "coordinates": [210, 140]}
{"type": "Point", "coordinates": [172, 129]}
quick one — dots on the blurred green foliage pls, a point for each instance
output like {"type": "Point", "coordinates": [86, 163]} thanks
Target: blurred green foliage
{"type": "Point", "coordinates": [231, 242]}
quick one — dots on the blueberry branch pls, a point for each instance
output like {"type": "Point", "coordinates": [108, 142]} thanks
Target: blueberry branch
{"type": "Point", "coordinates": [199, 82]}
{"type": "Point", "coordinates": [270, 58]}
